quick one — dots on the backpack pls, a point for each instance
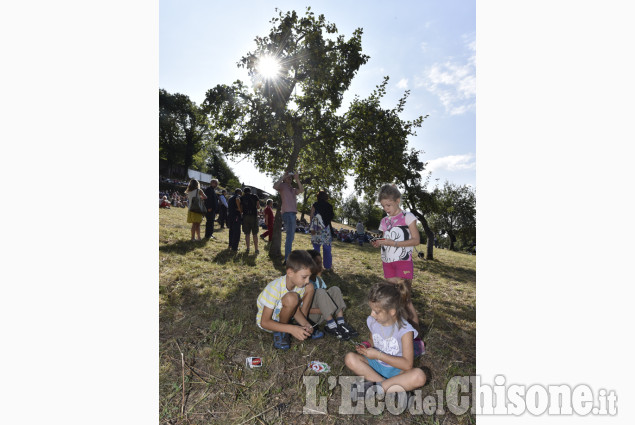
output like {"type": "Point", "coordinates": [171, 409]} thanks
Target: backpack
{"type": "Point", "coordinates": [249, 204]}
{"type": "Point", "coordinates": [317, 225]}
{"type": "Point", "coordinates": [320, 234]}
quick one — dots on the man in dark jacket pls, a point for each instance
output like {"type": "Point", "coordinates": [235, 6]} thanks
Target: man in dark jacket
{"type": "Point", "coordinates": [234, 219]}
{"type": "Point", "coordinates": [211, 203]}
{"type": "Point", "coordinates": [250, 205]}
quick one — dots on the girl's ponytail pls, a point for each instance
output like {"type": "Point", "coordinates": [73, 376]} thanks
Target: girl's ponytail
{"type": "Point", "coordinates": [403, 292]}
{"type": "Point", "coordinates": [391, 296]}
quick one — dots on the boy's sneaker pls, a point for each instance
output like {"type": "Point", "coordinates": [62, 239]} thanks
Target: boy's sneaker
{"type": "Point", "coordinates": [337, 332]}
{"type": "Point", "coordinates": [281, 340]}
{"type": "Point", "coordinates": [317, 334]}
{"type": "Point", "coordinates": [352, 333]}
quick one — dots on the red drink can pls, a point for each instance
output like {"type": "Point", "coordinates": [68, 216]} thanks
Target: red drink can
{"type": "Point", "coordinates": [253, 362]}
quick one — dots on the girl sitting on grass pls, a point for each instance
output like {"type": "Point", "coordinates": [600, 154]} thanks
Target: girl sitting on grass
{"type": "Point", "coordinates": [387, 361]}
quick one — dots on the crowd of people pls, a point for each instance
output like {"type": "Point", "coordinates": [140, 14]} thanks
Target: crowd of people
{"type": "Point", "coordinates": [351, 236]}
{"type": "Point", "coordinates": [217, 210]}
{"type": "Point", "coordinates": [174, 199]}
{"type": "Point", "coordinates": [240, 213]}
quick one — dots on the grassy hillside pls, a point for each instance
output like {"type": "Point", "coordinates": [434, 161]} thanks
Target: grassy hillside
{"type": "Point", "coordinates": [207, 328]}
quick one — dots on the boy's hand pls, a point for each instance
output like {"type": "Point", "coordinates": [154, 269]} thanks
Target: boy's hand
{"type": "Point", "coordinates": [300, 333]}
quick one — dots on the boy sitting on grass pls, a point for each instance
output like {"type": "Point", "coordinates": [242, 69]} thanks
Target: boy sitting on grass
{"type": "Point", "coordinates": [328, 302]}
{"type": "Point", "coordinates": [289, 296]}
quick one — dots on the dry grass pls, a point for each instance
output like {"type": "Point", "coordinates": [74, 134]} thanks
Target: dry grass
{"type": "Point", "coordinates": [207, 312]}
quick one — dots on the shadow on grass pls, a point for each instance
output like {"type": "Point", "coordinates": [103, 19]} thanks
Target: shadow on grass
{"type": "Point", "coordinates": [183, 247]}
{"type": "Point", "coordinates": [437, 267]}
{"type": "Point", "coordinates": [225, 256]}
{"type": "Point", "coordinates": [216, 333]}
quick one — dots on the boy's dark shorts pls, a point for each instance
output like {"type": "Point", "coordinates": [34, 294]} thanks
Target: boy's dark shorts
{"type": "Point", "coordinates": [250, 224]}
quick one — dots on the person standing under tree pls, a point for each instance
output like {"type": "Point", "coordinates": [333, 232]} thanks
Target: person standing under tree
{"type": "Point", "coordinates": [268, 220]}
{"type": "Point", "coordinates": [222, 209]}
{"type": "Point", "coordinates": [234, 218]}
{"type": "Point", "coordinates": [289, 207]}
{"type": "Point", "coordinates": [211, 203]}
{"type": "Point", "coordinates": [324, 240]}
{"type": "Point", "coordinates": [249, 203]}
{"type": "Point", "coordinates": [360, 233]}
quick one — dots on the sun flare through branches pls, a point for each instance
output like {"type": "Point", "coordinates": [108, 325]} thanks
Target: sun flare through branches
{"type": "Point", "coordinates": [268, 67]}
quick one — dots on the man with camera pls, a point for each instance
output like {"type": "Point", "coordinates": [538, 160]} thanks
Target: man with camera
{"type": "Point", "coordinates": [289, 208]}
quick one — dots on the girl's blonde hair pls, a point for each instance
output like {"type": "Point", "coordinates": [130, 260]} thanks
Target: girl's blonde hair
{"type": "Point", "coordinates": [388, 191]}
{"type": "Point", "coordinates": [391, 296]}
{"type": "Point", "coordinates": [192, 186]}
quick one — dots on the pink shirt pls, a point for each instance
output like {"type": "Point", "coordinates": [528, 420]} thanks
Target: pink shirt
{"type": "Point", "coordinates": [397, 229]}
{"type": "Point", "coordinates": [288, 194]}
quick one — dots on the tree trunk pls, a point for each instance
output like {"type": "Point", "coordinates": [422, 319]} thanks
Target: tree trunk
{"type": "Point", "coordinates": [304, 198]}
{"type": "Point", "coordinates": [276, 237]}
{"type": "Point", "coordinates": [429, 233]}
{"type": "Point", "coordinates": [452, 240]}
{"type": "Point", "coordinates": [429, 237]}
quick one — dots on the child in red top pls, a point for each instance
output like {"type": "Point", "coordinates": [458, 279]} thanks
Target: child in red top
{"type": "Point", "coordinates": [268, 220]}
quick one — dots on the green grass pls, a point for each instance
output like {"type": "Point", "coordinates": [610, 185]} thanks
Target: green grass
{"type": "Point", "coordinates": [207, 310]}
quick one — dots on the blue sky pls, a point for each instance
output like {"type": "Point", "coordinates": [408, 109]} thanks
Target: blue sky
{"type": "Point", "coordinates": [427, 47]}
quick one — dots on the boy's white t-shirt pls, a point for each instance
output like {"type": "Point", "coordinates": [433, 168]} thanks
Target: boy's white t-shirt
{"type": "Point", "coordinates": [271, 297]}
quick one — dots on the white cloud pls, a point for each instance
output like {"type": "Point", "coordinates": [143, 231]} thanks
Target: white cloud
{"type": "Point", "coordinates": [452, 163]}
{"type": "Point", "coordinates": [453, 81]}
{"type": "Point", "coordinates": [403, 83]}
{"type": "Point", "coordinates": [424, 46]}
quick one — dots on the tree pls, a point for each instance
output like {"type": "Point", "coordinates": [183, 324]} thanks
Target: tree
{"type": "Point", "coordinates": [183, 128]}
{"type": "Point", "coordinates": [387, 158]}
{"type": "Point", "coordinates": [419, 200]}
{"type": "Point", "coordinates": [211, 160]}
{"type": "Point", "coordinates": [321, 170]}
{"type": "Point", "coordinates": [350, 210]}
{"type": "Point", "coordinates": [171, 146]}
{"type": "Point", "coordinates": [233, 184]}
{"type": "Point", "coordinates": [371, 214]}
{"type": "Point", "coordinates": [292, 114]}
{"type": "Point", "coordinates": [456, 214]}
